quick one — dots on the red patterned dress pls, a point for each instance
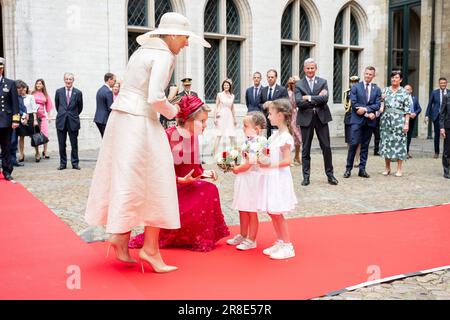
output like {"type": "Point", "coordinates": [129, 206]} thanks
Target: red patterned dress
{"type": "Point", "coordinates": [202, 221]}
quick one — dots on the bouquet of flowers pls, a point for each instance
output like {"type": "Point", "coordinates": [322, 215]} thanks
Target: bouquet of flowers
{"type": "Point", "coordinates": [229, 159]}
{"type": "Point", "coordinates": [256, 150]}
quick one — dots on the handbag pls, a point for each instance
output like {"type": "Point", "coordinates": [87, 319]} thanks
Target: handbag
{"type": "Point", "coordinates": [38, 138]}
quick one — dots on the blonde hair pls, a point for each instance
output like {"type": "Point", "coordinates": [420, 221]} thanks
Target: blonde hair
{"type": "Point", "coordinates": [203, 108]}
{"type": "Point", "coordinates": [283, 106]}
{"type": "Point", "coordinates": [257, 118]}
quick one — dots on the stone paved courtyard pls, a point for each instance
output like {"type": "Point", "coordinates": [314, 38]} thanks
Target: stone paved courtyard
{"type": "Point", "coordinates": [65, 193]}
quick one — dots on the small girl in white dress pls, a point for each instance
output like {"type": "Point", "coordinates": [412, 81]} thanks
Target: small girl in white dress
{"type": "Point", "coordinates": [279, 187]}
{"type": "Point", "coordinates": [249, 180]}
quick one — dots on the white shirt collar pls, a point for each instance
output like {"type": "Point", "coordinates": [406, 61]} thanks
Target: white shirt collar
{"type": "Point", "coordinates": [273, 87]}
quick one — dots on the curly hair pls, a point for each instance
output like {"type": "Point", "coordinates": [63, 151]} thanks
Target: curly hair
{"type": "Point", "coordinates": [257, 118]}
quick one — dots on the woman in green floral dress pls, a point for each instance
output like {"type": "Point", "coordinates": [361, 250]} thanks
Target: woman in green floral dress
{"type": "Point", "coordinates": [394, 123]}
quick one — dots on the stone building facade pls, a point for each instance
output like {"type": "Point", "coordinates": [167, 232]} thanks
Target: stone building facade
{"type": "Point", "coordinates": [45, 38]}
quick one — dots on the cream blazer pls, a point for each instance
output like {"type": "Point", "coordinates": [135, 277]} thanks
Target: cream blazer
{"type": "Point", "coordinates": [146, 78]}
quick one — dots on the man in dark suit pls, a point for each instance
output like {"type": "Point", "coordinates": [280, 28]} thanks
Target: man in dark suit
{"type": "Point", "coordinates": [272, 92]}
{"type": "Point", "coordinates": [416, 109]}
{"type": "Point", "coordinates": [9, 119]}
{"type": "Point", "coordinates": [252, 95]}
{"type": "Point", "coordinates": [311, 96]}
{"type": "Point", "coordinates": [14, 137]}
{"type": "Point", "coordinates": [104, 101]}
{"type": "Point", "coordinates": [69, 105]}
{"type": "Point", "coordinates": [187, 84]}
{"type": "Point", "coordinates": [366, 101]}
{"type": "Point", "coordinates": [444, 124]}
{"type": "Point", "coordinates": [433, 111]}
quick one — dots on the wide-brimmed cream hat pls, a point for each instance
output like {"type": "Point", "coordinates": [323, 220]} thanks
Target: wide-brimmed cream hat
{"type": "Point", "coordinates": [176, 24]}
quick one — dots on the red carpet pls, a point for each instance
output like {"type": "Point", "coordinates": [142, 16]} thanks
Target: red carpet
{"type": "Point", "coordinates": [332, 253]}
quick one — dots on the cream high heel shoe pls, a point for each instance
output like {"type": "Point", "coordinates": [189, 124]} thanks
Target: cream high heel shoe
{"type": "Point", "coordinates": [115, 244]}
{"type": "Point", "coordinates": [143, 257]}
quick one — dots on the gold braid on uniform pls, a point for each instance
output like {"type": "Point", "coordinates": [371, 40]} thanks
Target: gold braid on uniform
{"type": "Point", "coordinates": [16, 118]}
{"type": "Point", "coordinates": [347, 101]}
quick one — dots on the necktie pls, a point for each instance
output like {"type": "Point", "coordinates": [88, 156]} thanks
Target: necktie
{"type": "Point", "coordinates": [68, 97]}
{"type": "Point", "coordinates": [367, 92]}
{"type": "Point", "coordinates": [255, 94]}
{"type": "Point", "coordinates": [442, 95]}
{"type": "Point", "coordinates": [311, 85]}
{"type": "Point", "coordinates": [270, 94]}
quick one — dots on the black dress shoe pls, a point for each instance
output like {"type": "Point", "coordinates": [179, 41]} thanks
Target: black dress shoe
{"type": "Point", "coordinates": [7, 176]}
{"type": "Point", "coordinates": [363, 174]}
{"type": "Point", "coordinates": [447, 175]}
{"type": "Point", "coordinates": [347, 174]}
{"type": "Point", "coordinates": [76, 167]}
{"type": "Point", "coordinates": [332, 180]}
{"type": "Point", "coordinates": [61, 167]}
{"type": "Point", "coordinates": [305, 182]}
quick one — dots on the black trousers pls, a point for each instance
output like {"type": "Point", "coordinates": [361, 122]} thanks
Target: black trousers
{"type": "Point", "coordinates": [361, 134]}
{"type": "Point", "coordinates": [412, 124]}
{"type": "Point", "coordinates": [323, 134]}
{"type": "Point", "coordinates": [62, 138]}
{"type": "Point", "coordinates": [101, 127]}
{"type": "Point", "coordinates": [5, 145]}
{"type": "Point", "coordinates": [437, 135]}
{"type": "Point", "coordinates": [446, 153]}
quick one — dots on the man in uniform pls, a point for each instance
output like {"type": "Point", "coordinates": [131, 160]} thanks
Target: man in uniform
{"type": "Point", "coordinates": [187, 83]}
{"type": "Point", "coordinates": [348, 115]}
{"type": "Point", "coordinates": [9, 119]}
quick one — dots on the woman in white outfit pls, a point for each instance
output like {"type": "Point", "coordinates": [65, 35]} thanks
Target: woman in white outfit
{"type": "Point", "coordinates": [134, 182]}
{"type": "Point", "coordinates": [224, 115]}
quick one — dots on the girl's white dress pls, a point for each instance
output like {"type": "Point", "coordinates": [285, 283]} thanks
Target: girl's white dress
{"type": "Point", "coordinates": [246, 188]}
{"type": "Point", "coordinates": [277, 189]}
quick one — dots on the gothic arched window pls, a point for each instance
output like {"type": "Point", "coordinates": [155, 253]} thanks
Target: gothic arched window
{"type": "Point", "coordinates": [347, 51]}
{"type": "Point", "coordinates": [296, 42]}
{"type": "Point", "coordinates": [222, 23]}
{"type": "Point", "coordinates": [144, 16]}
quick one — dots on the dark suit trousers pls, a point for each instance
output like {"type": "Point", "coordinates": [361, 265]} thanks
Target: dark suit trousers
{"type": "Point", "coordinates": [361, 134]}
{"type": "Point", "coordinates": [412, 124]}
{"type": "Point", "coordinates": [446, 153]}
{"type": "Point", "coordinates": [323, 134]}
{"type": "Point", "coordinates": [5, 144]}
{"type": "Point", "coordinates": [437, 134]}
{"type": "Point", "coordinates": [101, 127]}
{"type": "Point", "coordinates": [62, 138]}
{"type": "Point", "coordinates": [13, 148]}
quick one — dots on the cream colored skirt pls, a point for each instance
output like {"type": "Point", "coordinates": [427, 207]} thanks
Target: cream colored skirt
{"type": "Point", "coordinates": [134, 181]}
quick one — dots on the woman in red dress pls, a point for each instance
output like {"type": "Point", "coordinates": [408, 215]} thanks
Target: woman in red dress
{"type": "Point", "coordinates": [202, 221]}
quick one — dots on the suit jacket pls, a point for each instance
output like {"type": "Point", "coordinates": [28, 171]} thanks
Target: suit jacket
{"type": "Point", "coordinates": [359, 99]}
{"type": "Point", "coordinates": [9, 105]}
{"type": "Point", "coordinates": [319, 103]}
{"type": "Point", "coordinates": [104, 101]}
{"type": "Point", "coordinates": [416, 105]}
{"type": "Point", "coordinates": [279, 92]}
{"type": "Point", "coordinates": [434, 105]}
{"type": "Point", "coordinates": [444, 113]}
{"type": "Point", "coordinates": [250, 101]}
{"type": "Point", "coordinates": [68, 113]}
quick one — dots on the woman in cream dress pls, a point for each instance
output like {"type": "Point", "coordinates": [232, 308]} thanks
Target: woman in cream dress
{"type": "Point", "coordinates": [134, 182]}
